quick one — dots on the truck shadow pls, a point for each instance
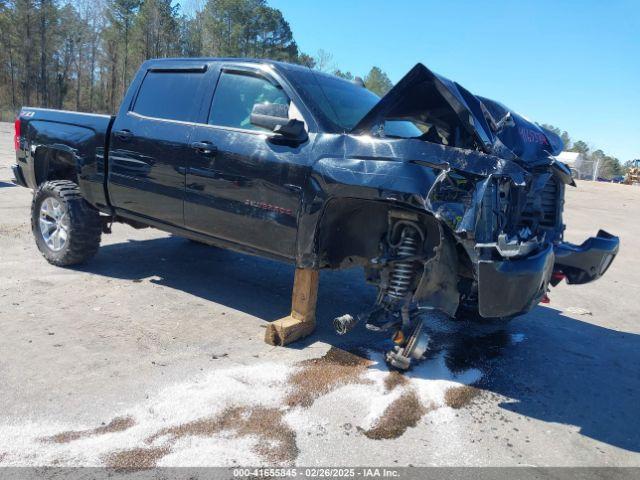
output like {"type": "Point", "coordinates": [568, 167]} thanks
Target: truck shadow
{"type": "Point", "coordinates": [551, 367]}
{"type": "Point", "coordinates": [558, 369]}
{"type": "Point", "coordinates": [253, 285]}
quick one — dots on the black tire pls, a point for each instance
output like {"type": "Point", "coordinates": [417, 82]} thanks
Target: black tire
{"type": "Point", "coordinates": [83, 225]}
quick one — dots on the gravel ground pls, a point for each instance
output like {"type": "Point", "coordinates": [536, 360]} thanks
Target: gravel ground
{"type": "Point", "coordinates": [153, 354]}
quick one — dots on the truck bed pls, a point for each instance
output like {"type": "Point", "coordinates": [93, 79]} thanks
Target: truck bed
{"type": "Point", "coordinates": [74, 137]}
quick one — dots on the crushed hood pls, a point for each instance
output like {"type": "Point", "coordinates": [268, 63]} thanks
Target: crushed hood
{"type": "Point", "coordinates": [458, 118]}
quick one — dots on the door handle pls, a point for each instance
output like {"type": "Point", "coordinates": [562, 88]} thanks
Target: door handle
{"type": "Point", "coordinates": [205, 148]}
{"type": "Point", "coordinates": [123, 135]}
{"type": "Point", "coordinates": [292, 187]}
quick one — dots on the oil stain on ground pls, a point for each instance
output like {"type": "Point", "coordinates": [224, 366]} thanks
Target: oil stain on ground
{"type": "Point", "coordinates": [277, 441]}
{"type": "Point", "coordinates": [403, 413]}
{"type": "Point", "coordinates": [460, 397]}
{"type": "Point", "coordinates": [118, 424]}
{"type": "Point", "coordinates": [135, 458]}
{"type": "Point", "coordinates": [469, 351]}
{"type": "Point", "coordinates": [395, 379]}
{"type": "Point", "coordinates": [319, 376]}
{"type": "Point", "coordinates": [336, 368]}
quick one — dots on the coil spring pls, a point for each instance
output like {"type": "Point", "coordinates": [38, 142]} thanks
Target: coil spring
{"type": "Point", "coordinates": [401, 276]}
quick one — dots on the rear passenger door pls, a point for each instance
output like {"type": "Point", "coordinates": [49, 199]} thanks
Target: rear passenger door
{"type": "Point", "coordinates": [149, 144]}
{"type": "Point", "coordinates": [242, 187]}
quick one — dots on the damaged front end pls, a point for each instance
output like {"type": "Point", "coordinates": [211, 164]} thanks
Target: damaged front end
{"type": "Point", "coordinates": [513, 237]}
{"type": "Point", "coordinates": [497, 203]}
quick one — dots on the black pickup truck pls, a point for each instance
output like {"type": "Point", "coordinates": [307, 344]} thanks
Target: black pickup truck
{"type": "Point", "coordinates": [450, 201]}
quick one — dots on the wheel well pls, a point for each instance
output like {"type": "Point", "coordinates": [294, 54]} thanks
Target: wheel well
{"type": "Point", "coordinates": [350, 231]}
{"type": "Point", "coordinates": [54, 165]}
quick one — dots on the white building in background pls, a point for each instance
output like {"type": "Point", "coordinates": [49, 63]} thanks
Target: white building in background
{"type": "Point", "coordinates": [581, 167]}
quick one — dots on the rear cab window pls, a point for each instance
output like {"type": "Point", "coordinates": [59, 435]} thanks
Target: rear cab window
{"type": "Point", "coordinates": [169, 95]}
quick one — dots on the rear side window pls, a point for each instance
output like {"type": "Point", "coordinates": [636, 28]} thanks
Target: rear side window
{"type": "Point", "coordinates": [235, 96]}
{"type": "Point", "coordinates": [169, 95]}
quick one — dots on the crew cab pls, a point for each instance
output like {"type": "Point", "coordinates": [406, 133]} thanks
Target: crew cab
{"type": "Point", "coordinates": [449, 201]}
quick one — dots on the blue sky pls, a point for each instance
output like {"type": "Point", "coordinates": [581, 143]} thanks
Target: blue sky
{"type": "Point", "coordinates": [574, 64]}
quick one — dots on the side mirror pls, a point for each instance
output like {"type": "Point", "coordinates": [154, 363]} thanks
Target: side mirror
{"type": "Point", "coordinates": [275, 117]}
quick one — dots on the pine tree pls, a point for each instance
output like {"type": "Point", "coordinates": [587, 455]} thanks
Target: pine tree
{"type": "Point", "coordinates": [377, 81]}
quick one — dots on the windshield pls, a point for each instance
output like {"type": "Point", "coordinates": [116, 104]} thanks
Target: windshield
{"type": "Point", "coordinates": [341, 104]}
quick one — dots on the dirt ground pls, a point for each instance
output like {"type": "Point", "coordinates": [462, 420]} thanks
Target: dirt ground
{"type": "Point", "coordinates": [153, 354]}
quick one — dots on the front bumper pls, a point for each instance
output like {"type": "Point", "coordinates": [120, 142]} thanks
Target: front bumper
{"type": "Point", "coordinates": [512, 287]}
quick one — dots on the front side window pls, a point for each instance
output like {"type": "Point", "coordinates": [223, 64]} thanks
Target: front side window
{"type": "Point", "coordinates": [235, 96]}
{"type": "Point", "coordinates": [169, 95]}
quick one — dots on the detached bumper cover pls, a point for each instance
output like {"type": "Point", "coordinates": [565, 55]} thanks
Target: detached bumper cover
{"type": "Point", "coordinates": [510, 287]}
{"type": "Point", "coordinates": [589, 261]}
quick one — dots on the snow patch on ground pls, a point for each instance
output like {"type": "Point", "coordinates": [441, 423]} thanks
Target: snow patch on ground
{"type": "Point", "coordinates": [206, 396]}
{"type": "Point", "coordinates": [429, 378]}
{"type": "Point", "coordinates": [263, 385]}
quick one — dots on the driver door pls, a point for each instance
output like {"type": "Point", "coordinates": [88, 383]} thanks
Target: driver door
{"type": "Point", "coordinates": [241, 187]}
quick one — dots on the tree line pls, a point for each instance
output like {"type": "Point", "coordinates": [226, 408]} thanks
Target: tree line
{"type": "Point", "coordinates": [608, 165]}
{"type": "Point", "coordinates": [82, 54]}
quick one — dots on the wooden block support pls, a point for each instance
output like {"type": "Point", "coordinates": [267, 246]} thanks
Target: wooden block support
{"type": "Point", "coordinates": [302, 320]}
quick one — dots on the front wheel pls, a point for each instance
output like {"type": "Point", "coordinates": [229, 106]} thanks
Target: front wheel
{"type": "Point", "coordinates": [66, 228]}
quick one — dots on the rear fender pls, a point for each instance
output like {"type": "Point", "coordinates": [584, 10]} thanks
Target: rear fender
{"type": "Point", "coordinates": [55, 162]}
{"type": "Point", "coordinates": [77, 153]}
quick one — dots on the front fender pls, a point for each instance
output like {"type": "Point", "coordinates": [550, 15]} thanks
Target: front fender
{"type": "Point", "coordinates": [375, 179]}
{"type": "Point", "coordinates": [398, 184]}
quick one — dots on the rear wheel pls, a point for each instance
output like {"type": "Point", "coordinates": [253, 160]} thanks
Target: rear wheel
{"type": "Point", "coordinates": [66, 228]}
